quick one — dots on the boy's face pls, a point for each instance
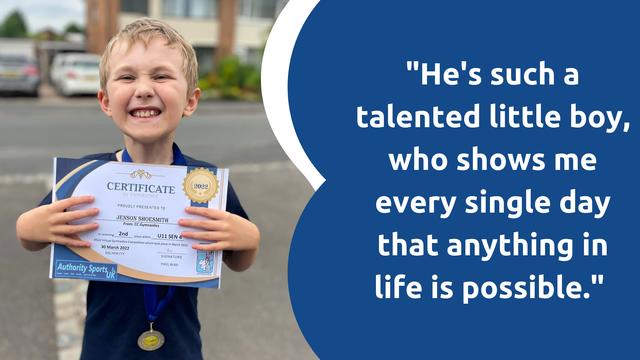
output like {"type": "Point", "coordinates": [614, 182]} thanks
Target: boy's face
{"type": "Point", "coordinates": [146, 91]}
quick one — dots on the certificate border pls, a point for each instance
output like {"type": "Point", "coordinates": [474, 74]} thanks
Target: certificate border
{"type": "Point", "coordinates": [91, 256]}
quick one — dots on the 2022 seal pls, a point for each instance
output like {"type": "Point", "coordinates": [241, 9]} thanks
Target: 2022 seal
{"type": "Point", "coordinates": [200, 185]}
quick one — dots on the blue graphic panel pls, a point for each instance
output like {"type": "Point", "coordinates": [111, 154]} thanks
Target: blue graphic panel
{"type": "Point", "coordinates": [353, 54]}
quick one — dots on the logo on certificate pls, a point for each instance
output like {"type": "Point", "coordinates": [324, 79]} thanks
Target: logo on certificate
{"type": "Point", "coordinates": [205, 262]}
{"type": "Point", "coordinates": [200, 185]}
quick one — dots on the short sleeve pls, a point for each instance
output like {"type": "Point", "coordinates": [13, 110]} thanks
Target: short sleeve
{"type": "Point", "coordinates": [233, 203]}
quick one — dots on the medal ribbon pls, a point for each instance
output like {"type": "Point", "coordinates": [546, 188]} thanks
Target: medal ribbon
{"type": "Point", "coordinates": [151, 304]}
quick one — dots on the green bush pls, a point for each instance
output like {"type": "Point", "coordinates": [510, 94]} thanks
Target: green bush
{"type": "Point", "coordinates": [231, 93]}
{"type": "Point", "coordinates": [250, 78]}
{"type": "Point", "coordinates": [233, 79]}
{"type": "Point", "coordinates": [229, 72]}
{"type": "Point", "coordinates": [204, 84]}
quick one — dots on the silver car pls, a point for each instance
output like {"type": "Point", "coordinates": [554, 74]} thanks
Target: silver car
{"type": "Point", "coordinates": [18, 75]}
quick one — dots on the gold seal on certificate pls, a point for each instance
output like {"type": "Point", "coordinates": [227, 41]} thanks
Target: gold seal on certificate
{"type": "Point", "coordinates": [200, 185]}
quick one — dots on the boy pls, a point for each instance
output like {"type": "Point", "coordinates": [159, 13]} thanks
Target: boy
{"type": "Point", "coordinates": [148, 78]}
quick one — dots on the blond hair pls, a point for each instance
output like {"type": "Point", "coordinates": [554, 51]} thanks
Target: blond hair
{"type": "Point", "coordinates": [146, 29]}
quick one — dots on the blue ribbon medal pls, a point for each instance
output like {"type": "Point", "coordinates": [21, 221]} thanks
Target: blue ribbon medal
{"type": "Point", "coordinates": [153, 339]}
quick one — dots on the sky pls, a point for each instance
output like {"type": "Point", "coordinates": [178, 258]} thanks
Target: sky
{"type": "Point", "coordinates": [41, 14]}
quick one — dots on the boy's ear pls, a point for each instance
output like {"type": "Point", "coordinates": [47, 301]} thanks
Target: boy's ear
{"type": "Point", "coordinates": [103, 99]}
{"type": "Point", "coordinates": [192, 103]}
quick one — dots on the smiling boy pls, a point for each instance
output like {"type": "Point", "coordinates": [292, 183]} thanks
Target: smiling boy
{"type": "Point", "coordinates": [148, 78]}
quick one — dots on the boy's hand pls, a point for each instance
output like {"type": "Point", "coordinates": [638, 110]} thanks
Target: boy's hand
{"type": "Point", "coordinates": [225, 231]}
{"type": "Point", "coordinates": [46, 224]}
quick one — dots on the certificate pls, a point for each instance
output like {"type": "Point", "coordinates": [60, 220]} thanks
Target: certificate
{"type": "Point", "coordinates": [138, 238]}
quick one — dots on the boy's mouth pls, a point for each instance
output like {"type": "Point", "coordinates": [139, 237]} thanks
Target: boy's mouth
{"type": "Point", "coordinates": [145, 112]}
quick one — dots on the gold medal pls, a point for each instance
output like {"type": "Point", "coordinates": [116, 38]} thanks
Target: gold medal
{"type": "Point", "coordinates": [151, 340]}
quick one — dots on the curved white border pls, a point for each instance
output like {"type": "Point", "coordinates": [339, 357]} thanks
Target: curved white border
{"type": "Point", "coordinates": [275, 89]}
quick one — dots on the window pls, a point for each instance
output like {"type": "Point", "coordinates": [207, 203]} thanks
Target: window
{"type": "Point", "coordinates": [253, 56]}
{"type": "Point", "coordinates": [265, 9]}
{"type": "Point", "coordinates": [205, 59]}
{"type": "Point", "coordinates": [204, 9]}
{"type": "Point", "coordinates": [280, 5]}
{"type": "Point", "coordinates": [135, 6]}
{"type": "Point", "coordinates": [175, 8]}
{"type": "Point", "coordinates": [85, 64]}
{"type": "Point", "coordinates": [250, 56]}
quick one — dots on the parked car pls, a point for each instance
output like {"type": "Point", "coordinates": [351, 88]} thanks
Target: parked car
{"type": "Point", "coordinates": [76, 73]}
{"type": "Point", "coordinates": [19, 74]}
{"type": "Point", "coordinates": [55, 69]}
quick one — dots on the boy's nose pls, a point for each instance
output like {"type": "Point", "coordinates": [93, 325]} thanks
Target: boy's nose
{"type": "Point", "coordinates": [143, 90]}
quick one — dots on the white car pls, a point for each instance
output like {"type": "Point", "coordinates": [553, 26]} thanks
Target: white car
{"type": "Point", "coordinates": [76, 73]}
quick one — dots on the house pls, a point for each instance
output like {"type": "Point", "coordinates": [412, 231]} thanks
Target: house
{"type": "Point", "coordinates": [215, 28]}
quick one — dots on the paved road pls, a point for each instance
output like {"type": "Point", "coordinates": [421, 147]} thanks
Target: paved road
{"type": "Point", "coordinates": [250, 317]}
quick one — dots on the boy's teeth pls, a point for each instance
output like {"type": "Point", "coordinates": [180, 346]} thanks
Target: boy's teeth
{"type": "Point", "coordinates": [145, 113]}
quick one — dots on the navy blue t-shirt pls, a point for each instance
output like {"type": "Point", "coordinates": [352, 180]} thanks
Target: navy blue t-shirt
{"type": "Point", "coordinates": [116, 315]}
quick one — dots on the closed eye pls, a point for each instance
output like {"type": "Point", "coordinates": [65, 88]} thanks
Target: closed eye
{"type": "Point", "coordinates": [162, 77]}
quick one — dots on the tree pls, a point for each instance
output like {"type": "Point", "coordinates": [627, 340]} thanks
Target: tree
{"type": "Point", "coordinates": [73, 28]}
{"type": "Point", "coordinates": [14, 26]}
{"type": "Point", "coordinates": [47, 35]}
